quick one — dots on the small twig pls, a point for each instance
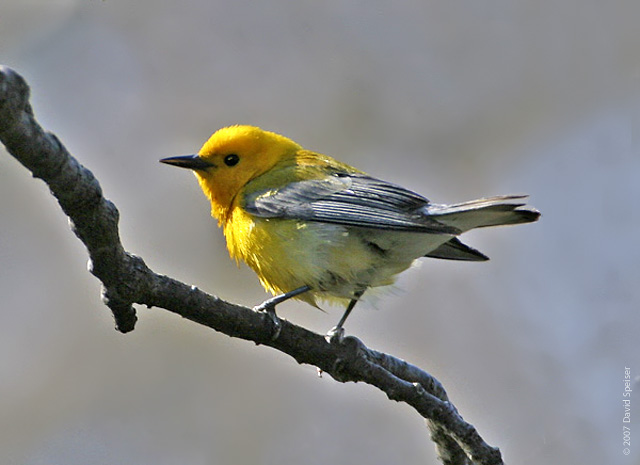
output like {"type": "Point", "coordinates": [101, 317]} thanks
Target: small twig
{"type": "Point", "coordinates": [126, 280]}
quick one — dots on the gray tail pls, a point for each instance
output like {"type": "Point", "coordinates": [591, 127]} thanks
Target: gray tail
{"type": "Point", "coordinates": [481, 213]}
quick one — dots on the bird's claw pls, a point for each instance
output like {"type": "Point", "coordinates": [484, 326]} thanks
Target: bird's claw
{"type": "Point", "coordinates": [270, 312]}
{"type": "Point", "coordinates": [335, 335]}
{"type": "Point", "coordinates": [264, 307]}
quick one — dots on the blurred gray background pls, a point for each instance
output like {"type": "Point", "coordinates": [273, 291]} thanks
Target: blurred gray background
{"type": "Point", "coordinates": [456, 100]}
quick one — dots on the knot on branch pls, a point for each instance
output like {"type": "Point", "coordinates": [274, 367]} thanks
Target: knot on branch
{"type": "Point", "coordinates": [351, 353]}
{"type": "Point", "coordinates": [123, 283]}
{"type": "Point", "coordinates": [123, 312]}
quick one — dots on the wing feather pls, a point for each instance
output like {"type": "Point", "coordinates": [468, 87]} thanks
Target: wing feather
{"type": "Point", "coordinates": [350, 200]}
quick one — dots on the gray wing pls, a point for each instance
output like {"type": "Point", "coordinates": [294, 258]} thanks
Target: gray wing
{"type": "Point", "coordinates": [350, 200]}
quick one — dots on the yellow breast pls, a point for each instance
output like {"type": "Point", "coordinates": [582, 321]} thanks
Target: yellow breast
{"type": "Point", "coordinates": [277, 250]}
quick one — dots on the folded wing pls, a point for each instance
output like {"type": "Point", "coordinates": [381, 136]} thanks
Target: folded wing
{"type": "Point", "coordinates": [349, 200]}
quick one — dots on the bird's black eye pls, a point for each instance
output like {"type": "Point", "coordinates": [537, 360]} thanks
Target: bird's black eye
{"type": "Point", "coordinates": [231, 160]}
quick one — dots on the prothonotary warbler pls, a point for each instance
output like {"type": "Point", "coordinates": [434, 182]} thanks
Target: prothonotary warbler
{"type": "Point", "coordinates": [314, 228]}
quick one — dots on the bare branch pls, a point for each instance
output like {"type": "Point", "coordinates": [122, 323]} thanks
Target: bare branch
{"type": "Point", "coordinates": [126, 280]}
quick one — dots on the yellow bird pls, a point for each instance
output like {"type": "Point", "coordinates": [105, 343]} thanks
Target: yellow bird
{"type": "Point", "coordinates": [314, 228]}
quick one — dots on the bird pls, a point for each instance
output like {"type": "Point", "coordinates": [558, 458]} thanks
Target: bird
{"type": "Point", "coordinates": [316, 229]}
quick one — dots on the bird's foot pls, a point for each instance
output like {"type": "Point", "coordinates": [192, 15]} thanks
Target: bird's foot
{"type": "Point", "coordinates": [335, 335]}
{"type": "Point", "coordinates": [268, 309]}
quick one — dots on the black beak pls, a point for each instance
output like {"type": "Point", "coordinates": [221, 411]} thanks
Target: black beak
{"type": "Point", "coordinates": [193, 162]}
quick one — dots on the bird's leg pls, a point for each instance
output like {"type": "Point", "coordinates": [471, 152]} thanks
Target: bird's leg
{"type": "Point", "coordinates": [336, 334]}
{"type": "Point", "coordinates": [269, 307]}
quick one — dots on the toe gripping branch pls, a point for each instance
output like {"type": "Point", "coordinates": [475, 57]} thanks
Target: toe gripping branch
{"type": "Point", "coordinates": [269, 308]}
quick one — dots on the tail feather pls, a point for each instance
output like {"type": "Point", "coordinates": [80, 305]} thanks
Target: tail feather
{"type": "Point", "coordinates": [456, 250]}
{"type": "Point", "coordinates": [481, 213]}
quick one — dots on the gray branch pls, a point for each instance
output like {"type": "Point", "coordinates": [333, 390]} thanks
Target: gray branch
{"type": "Point", "coordinates": [126, 280]}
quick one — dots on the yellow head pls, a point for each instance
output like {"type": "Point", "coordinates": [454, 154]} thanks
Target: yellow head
{"type": "Point", "coordinates": [231, 158]}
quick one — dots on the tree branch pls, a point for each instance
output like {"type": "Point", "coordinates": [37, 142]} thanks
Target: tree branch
{"type": "Point", "coordinates": [126, 280]}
